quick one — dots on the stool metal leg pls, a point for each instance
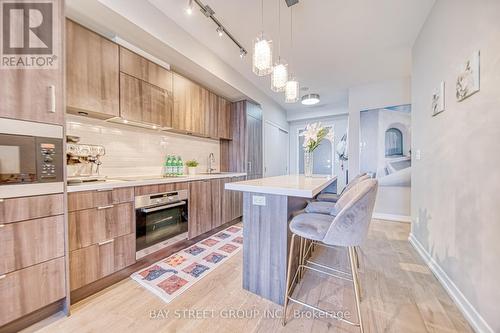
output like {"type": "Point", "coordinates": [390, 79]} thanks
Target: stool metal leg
{"type": "Point", "coordinates": [288, 276]}
{"type": "Point", "coordinates": [355, 277]}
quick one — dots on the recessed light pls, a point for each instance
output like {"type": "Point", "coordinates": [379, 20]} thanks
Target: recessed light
{"type": "Point", "coordinates": [310, 99]}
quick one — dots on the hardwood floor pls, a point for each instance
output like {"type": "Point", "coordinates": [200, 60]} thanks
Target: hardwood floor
{"type": "Point", "coordinates": [399, 294]}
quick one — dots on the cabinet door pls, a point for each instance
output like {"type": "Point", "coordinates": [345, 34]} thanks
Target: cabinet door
{"type": "Point", "coordinates": [200, 208]}
{"type": "Point", "coordinates": [24, 93]}
{"type": "Point", "coordinates": [158, 106]}
{"type": "Point", "coordinates": [224, 119]}
{"type": "Point", "coordinates": [31, 242]}
{"type": "Point", "coordinates": [237, 201]}
{"type": "Point", "coordinates": [217, 190]}
{"type": "Point", "coordinates": [83, 266]}
{"type": "Point", "coordinates": [210, 111]}
{"type": "Point", "coordinates": [91, 226]}
{"type": "Point", "coordinates": [187, 116]}
{"type": "Point", "coordinates": [132, 101]}
{"type": "Point", "coordinates": [99, 198]}
{"type": "Point", "coordinates": [227, 202]}
{"type": "Point", "coordinates": [141, 68]}
{"type": "Point", "coordinates": [30, 289]}
{"type": "Point", "coordinates": [254, 146]}
{"type": "Point", "coordinates": [92, 81]}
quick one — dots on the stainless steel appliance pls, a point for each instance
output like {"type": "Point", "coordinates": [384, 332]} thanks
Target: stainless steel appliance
{"type": "Point", "coordinates": [30, 159]}
{"type": "Point", "coordinates": [160, 217]}
{"type": "Point", "coordinates": [81, 159]}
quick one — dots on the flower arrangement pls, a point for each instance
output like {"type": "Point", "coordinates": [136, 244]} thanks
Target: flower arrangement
{"type": "Point", "coordinates": [314, 134]}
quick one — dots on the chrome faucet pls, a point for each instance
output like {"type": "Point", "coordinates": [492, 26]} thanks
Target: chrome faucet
{"type": "Point", "coordinates": [211, 160]}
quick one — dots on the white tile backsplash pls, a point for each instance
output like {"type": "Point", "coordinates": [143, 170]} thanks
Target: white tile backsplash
{"type": "Point", "coordinates": [133, 151]}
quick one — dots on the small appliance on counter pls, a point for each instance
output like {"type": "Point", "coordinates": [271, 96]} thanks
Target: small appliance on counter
{"type": "Point", "coordinates": [83, 161]}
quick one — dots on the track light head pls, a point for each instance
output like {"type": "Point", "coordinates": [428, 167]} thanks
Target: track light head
{"type": "Point", "coordinates": [243, 53]}
{"type": "Point", "coordinates": [220, 31]}
{"type": "Point", "coordinates": [189, 8]}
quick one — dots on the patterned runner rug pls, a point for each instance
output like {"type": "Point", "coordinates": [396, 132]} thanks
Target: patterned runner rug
{"type": "Point", "coordinates": [170, 277]}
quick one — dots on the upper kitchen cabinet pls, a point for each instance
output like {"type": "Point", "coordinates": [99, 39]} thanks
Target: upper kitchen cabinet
{"type": "Point", "coordinates": [143, 69]}
{"type": "Point", "coordinates": [92, 73]}
{"type": "Point", "coordinates": [224, 119]}
{"type": "Point", "coordinates": [210, 111]}
{"type": "Point", "coordinates": [187, 114]}
{"type": "Point", "coordinates": [35, 93]}
{"type": "Point", "coordinates": [143, 102]}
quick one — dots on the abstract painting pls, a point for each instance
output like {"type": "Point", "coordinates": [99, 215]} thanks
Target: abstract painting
{"type": "Point", "coordinates": [438, 100]}
{"type": "Point", "coordinates": [468, 80]}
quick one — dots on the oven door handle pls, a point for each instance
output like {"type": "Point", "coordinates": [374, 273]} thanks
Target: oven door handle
{"type": "Point", "coordinates": [154, 209]}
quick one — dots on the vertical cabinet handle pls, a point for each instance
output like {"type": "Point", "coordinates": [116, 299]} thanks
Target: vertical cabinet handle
{"type": "Point", "coordinates": [52, 98]}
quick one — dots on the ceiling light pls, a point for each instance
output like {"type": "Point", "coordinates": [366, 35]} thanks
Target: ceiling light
{"type": "Point", "coordinates": [243, 53]}
{"type": "Point", "coordinates": [310, 99]}
{"type": "Point", "coordinates": [262, 56]}
{"type": "Point", "coordinates": [279, 76]}
{"type": "Point", "coordinates": [189, 8]}
{"type": "Point", "coordinates": [220, 31]}
{"type": "Point", "coordinates": [292, 90]}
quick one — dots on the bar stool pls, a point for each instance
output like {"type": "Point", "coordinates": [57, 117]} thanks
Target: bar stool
{"type": "Point", "coordinates": [348, 228]}
{"type": "Point", "coordinates": [333, 197]}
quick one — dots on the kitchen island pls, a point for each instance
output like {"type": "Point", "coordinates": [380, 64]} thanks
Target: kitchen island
{"type": "Point", "coordinates": [268, 207]}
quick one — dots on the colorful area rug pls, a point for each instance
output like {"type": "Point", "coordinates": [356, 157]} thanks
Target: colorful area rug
{"type": "Point", "coordinates": [170, 277]}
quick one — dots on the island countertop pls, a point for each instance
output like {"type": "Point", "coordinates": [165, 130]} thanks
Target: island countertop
{"type": "Point", "coordinates": [290, 185]}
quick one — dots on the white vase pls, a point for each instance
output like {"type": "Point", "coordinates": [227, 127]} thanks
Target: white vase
{"type": "Point", "coordinates": [191, 171]}
{"type": "Point", "coordinates": [308, 164]}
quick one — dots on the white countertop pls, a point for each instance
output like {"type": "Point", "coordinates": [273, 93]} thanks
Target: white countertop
{"type": "Point", "coordinates": [291, 185]}
{"type": "Point", "coordinates": [116, 182]}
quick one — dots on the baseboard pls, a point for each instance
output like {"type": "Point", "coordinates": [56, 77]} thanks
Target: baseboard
{"type": "Point", "coordinates": [471, 315]}
{"type": "Point", "coordinates": [392, 217]}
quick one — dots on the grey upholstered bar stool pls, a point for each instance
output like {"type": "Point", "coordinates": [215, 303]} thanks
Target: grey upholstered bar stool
{"type": "Point", "coordinates": [334, 197]}
{"type": "Point", "coordinates": [348, 228]}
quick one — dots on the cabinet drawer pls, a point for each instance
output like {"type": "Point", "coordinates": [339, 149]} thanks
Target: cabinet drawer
{"type": "Point", "coordinates": [99, 198]}
{"type": "Point", "coordinates": [31, 242]}
{"type": "Point", "coordinates": [97, 261]}
{"type": "Point", "coordinates": [30, 289]}
{"type": "Point", "coordinates": [91, 226]}
{"type": "Point", "coordinates": [160, 188]}
{"type": "Point", "coordinates": [28, 208]}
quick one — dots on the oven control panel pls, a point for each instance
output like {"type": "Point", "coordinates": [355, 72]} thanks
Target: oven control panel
{"type": "Point", "coordinates": [160, 199]}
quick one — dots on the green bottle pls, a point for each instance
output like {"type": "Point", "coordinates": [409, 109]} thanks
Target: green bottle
{"type": "Point", "coordinates": [180, 166]}
{"type": "Point", "coordinates": [165, 168]}
{"type": "Point", "coordinates": [169, 166]}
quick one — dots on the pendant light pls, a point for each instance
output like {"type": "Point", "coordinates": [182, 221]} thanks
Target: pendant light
{"type": "Point", "coordinates": [262, 51]}
{"type": "Point", "coordinates": [292, 85]}
{"type": "Point", "coordinates": [279, 76]}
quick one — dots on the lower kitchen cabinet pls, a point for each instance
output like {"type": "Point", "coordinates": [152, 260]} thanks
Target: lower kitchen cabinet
{"type": "Point", "coordinates": [99, 198]}
{"type": "Point", "coordinates": [30, 289]}
{"type": "Point", "coordinates": [31, 242]}
{"type": "Point", "coordinates": [94, 262]}
{"type": "Point", "coordinates": [200, 207]}
{"type": "Point", "coordinates": [92, 226]}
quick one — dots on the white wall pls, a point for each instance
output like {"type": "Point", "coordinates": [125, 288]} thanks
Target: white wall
{"type": "Point", "coordinates": [132, 151]}
{"type": "Point", "coordinates": [455, 185]}
{"type": "Point", "coordinates": [367, 97]}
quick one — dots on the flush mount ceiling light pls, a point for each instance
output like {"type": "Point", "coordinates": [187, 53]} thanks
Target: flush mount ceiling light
{"type": "Point", "coordinates": [279, 76]}
{"type": "Point", "coordinates": [310, 99]}
{"type": "Point", "coordinates": [262, 60]}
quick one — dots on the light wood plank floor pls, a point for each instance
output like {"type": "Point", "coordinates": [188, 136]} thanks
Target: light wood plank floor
{"type": "Point", "coordinates": [399, 293]}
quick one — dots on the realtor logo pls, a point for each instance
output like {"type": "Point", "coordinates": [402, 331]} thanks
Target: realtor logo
{"type": "Point", "coordinates": [27, 34]}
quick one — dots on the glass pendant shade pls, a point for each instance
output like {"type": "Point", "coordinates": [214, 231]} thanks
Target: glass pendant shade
{"type": "Point", "coordinates": [279, 76]}
{"type": "Point", "coordinates": [262, 56]}
{"type": "Point", "coordinates": [292, 91]}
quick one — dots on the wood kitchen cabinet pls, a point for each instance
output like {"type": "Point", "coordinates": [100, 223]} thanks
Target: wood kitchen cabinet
{"type": "Point", "coordinates": [160, 188]}
{"type": "Point", "coordinates": [26, 208]}
{"type": "Point", "coordinates": [99, 198]}
{"type": "Point", "coordinates": [143, 102]}
{"type": "Point", "coordinates": [145, 70]}
{"type": "Point", "coordinates": [224, 118]}
{"type": "Point", "coordinates": [31, 288]}
{"type": "Point", "coordinates": [200, 207]}
{"type": "Point", "coordinates": [210, 113]}
{"type": "Point", "coordinates": [92, 72]}
{"type": "Point", "coordinates": [25, 93]}
{"type": "Point", "coordinates": [94, 262]}
{"type": "Point", "coordinates": [187, 113]}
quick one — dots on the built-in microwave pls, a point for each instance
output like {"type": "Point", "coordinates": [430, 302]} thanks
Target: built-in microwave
{"type": "Point", "coordinates": [30, 159]}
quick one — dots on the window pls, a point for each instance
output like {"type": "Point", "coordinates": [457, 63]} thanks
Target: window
{"type": "Point", "coordinates": [393, 142]}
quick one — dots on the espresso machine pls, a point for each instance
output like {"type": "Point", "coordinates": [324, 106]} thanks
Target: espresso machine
{"type": "Point", "coordinates": [83, 161]}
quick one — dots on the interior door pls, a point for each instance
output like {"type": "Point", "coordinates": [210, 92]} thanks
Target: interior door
{"type": "Point", "coordinates": [276, 150]}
